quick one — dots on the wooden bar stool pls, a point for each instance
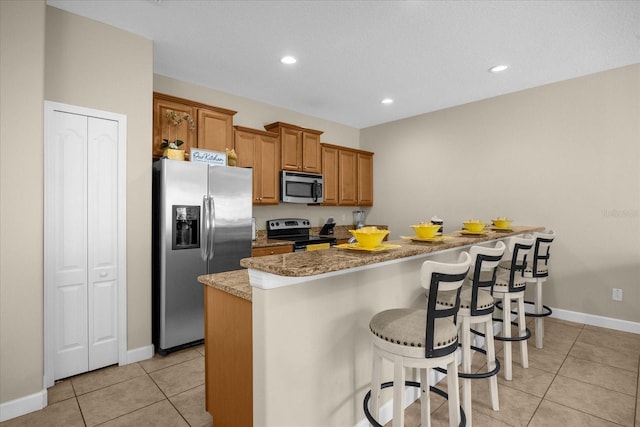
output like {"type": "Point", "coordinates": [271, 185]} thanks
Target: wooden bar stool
{"type": "Point", "coordinates": [476, 308]}
{"type": "Point", "coordinates": [422, 339]}
{"type": "Point", "coordinates": [537, 272]}
{"type": "Point", "coordinates": [510, 286]}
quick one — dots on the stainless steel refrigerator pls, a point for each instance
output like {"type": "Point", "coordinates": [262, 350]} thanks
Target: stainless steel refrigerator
{"type": "Point", "coordinates": [201, 225]}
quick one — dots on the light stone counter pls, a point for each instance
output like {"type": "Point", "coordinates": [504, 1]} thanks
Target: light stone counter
{"type": "Point", "coordinates": [232, 282]}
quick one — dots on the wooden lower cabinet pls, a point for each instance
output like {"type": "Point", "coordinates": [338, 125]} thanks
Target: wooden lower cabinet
{"type": "Point", "coordinates": [228, 360]}
{"type": "Point", "coordinates": [271, 250]}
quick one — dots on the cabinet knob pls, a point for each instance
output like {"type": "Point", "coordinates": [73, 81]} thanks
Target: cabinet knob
{"type": "Point", "coordinates": [103, 274]}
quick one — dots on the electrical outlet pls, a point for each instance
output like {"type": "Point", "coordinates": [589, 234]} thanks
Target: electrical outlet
{"type": "Point", "coordinates": [617, 294]}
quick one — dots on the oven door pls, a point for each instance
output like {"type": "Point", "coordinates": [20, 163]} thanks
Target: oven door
{"type": "Point", "coordinates": [300, 188]}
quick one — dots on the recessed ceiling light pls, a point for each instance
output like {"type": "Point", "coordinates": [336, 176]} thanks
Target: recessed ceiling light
{"type": "Point", "coordinates": [387, 101]}
{"type": "Point", "coordinates": [288, 60]}
{"type": "Point", "coordinates": [498, 68]}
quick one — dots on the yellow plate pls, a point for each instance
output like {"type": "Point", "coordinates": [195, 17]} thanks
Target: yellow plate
{"type": "Point", "coordinates": [501, 229]}
{"type": "Point", "coordinates": [357, 247]}
{"type": "Point", "coordinates": [473, 233]}
{"type": "Point", "coordinates": [434, 239]}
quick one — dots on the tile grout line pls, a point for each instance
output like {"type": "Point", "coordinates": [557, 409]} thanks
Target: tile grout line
{"type": "Point", "coordinates": [558, 374]}
{"type": "Point", "coordinates": [167, 397]}
{"type": "Point", "coordinates": [555, 375]}
{"type": "Point", "coordinates": [75, 396]}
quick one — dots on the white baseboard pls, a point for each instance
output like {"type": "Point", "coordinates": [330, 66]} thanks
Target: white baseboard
{"type": "Point", "coordinates": [593, 320]}
{"type": "Point", "coordinates": [23, 405]}
{"type": "Point", "coordinates": [139, 354]}
{"type": "Point", "coordinates": [37, 401]}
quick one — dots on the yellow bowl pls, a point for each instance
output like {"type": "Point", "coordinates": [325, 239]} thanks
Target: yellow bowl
{"type": "Point", "coordinates": [474, 225]}
{"type": "Point", "coordinates": [426, 230]}
{"type": "Point", "coordinates": [369, 237]}
{"type": "Point", "coordinates": [502, 222]}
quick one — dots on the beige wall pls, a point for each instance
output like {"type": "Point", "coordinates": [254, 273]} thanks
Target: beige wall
{"type": "Point", "coordinates": [21, 202]}
{"type": "Point", "coordinates": [565, 155]}
{"type": "Point", "coordinates": [255, 115]}
{"type": "Point", "coordinates": [97, 66]}
{"type": "Point", "coordinates": [87, 64]}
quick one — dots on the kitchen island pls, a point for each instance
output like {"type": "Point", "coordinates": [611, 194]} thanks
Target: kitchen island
{"type": "Point", "coordinates": [302, 349]}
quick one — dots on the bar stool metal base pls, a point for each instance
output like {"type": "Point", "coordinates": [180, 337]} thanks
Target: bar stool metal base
{"type": "Point", "coordinates": [375, 423]}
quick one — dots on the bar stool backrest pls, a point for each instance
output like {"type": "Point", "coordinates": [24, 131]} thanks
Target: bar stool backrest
{"type": "Point", "coordinates": [519, 248]}
{"type": "Point", "coordinates": [484, 259]}
{"type": "Point", "coordinates": [541, 253]}
{"type": "Point", "coordinates": [436, 277]}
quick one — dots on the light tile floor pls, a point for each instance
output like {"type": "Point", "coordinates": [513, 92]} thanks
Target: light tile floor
{"type": "Point", "coordinates": [162, 391]}
{"type": "Point", "coordinates": [584, 376]}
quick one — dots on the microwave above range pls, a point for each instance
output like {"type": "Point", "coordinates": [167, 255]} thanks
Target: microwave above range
{"type": "Point", "coordinates": [300, 187]}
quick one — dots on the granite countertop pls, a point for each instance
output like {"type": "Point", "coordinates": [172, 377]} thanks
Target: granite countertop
{"type": "Point", "coordinates": [232, 282]}
{"type": "Point", "coordinates": [300, 264]}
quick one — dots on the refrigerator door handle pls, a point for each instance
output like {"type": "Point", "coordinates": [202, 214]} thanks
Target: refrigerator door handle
{"type": "Point", "coordinates": [204, 245]}
{"type": "Point", "coordinates": [212, 224]}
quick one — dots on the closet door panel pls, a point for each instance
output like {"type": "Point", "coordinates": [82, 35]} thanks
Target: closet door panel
{"type": "Point", "coordinates": [103, 242]}
{"type": "Point", "coordinates": [69, 218]}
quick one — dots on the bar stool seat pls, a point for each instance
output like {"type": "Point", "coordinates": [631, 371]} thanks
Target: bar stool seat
{"type": "Point", "coordinates": [419, 338]}
{"type": "Point", "coordinates": [510, 286]}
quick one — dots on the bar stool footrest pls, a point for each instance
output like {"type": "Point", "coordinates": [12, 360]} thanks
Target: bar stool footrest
{"type": "Point", "coordinates": [480, 375]}
{"type": "Point", "coordinates": [375, 423]}
{"type": "Point", "coordinates": [526, 336]}
{"type": "Point", "coordinates": [546, 311]}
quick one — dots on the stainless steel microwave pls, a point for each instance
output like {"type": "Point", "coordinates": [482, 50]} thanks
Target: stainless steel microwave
{"type": "Point", "coordinates": [300, 187]}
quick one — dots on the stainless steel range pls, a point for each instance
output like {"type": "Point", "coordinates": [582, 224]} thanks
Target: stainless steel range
{"type": "Point", "coordinates": [296, 230]}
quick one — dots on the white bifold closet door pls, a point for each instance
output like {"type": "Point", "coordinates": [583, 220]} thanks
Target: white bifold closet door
{"type": "Point", "coordinates": [84, 242]}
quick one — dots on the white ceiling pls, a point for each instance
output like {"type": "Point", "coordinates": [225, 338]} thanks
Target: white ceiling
{"type": "Point", "coordinates": [426, 55]}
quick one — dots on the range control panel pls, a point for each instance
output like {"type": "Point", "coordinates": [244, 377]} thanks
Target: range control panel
{"type": "Point", "coordinates": [288, 223]}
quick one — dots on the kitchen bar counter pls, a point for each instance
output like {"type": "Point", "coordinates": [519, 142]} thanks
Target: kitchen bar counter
{"type": "Point", "coordinates": [280, 270]}
{"type": "Point", "coordinates": [304, 264]}
{"type": "Point", "coordinates": [308, 332]}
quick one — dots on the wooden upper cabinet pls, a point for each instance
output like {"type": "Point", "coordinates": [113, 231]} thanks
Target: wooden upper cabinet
{"type": "Point", "coordinates": [300, 147]}
{"type": "Point", "coordinates": [213, 125]}
{"type": "Point", "coordinates": [365, 178]}
{"type": "Point", "coordinates": [330, 174]}
{"type": "Point", "coordinates": [215, 130]}
{"type": "Point", "coordinates": [164, 129]}
{"type": "Point", "coordinates": [348, 176]}
{"type": "Point", "coordinates": [260, 150]}
{"type": "Point", "coordinates": [290, 144]}
{"type": "Point", "coordinates": [311, 154]}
